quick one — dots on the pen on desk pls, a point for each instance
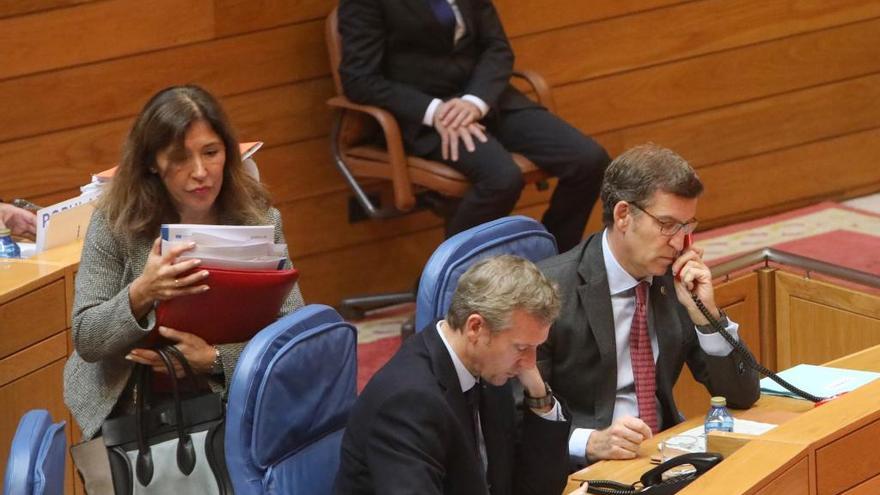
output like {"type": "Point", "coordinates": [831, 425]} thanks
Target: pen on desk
{"type": "Point", "coordinates": [27, 205]}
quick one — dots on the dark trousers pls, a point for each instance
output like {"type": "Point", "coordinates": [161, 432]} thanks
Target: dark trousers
{"type": "Point", "coordinates": [553, 145]}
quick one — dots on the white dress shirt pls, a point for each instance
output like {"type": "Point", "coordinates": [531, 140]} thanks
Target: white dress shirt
{"type": "Point", "coordinates": [623, 303]}
{"type": "Point", "coordinates": [460, 31]}
{"type": "Point", "coordinates": [467, 381]}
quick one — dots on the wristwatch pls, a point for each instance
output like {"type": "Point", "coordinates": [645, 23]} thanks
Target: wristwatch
{"type": "Point", "coordinates": [539, 402]}
{"type": "Point", "coordinates": [217, 365]}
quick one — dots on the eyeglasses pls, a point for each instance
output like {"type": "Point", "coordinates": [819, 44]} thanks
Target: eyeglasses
{"type": "Point", "coordinates": [670, 227]}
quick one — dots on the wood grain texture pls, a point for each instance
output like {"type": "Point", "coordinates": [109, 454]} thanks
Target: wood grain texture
{"type": "Point", "coordinates": [870, 487]}
{"type": "Point", "coordinates": [32, 317]}
{"type": "Point", "coordinates": [9, 8]}
{"type": "Point", "coordinates": [839, 466]}
{"type": "Point", "coordinates": [32, 358]}
{"type": "Point", "coordinates": [108, 90]}
{"type": "Point", "coordinates": [817, 321]}
{"type": "Point", "coordinates": [242, 16]}
{"type": "Point", "coordinates": [39, 43]}
{"type": "Point", "coordinates": [676, 32]}
{"type": "Point", "coordinates": [658, 92]}
{"type": "Point", "coordinates": [740, 130]}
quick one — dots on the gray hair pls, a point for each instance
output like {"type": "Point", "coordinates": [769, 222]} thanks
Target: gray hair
{"type": "Point", "coordinates": [494, 287]}
{"type": "Point", "coordinates": [639, 172]}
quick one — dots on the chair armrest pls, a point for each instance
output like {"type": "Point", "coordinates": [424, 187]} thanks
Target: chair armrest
{"type": "Point", "coordinates": [539, 84]}
{"type": "Point", "coordinates": [404, 200]}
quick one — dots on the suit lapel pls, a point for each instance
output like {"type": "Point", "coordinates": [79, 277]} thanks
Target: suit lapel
{"type": "Point", "coordinates": [664, 322]}
{"type": "Point", "coordinates": [444, 371]}
{"type": "Point", "coordinates": [595, 297]}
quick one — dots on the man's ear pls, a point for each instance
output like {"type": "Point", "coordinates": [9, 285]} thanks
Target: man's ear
{"type": "Point", "coordinates": [473, 327]}
{"type": "Point", "coordinates": [622, 215]}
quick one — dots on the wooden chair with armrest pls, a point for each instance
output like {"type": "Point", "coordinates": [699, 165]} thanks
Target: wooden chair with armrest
{"type": "Point", "coordinates": [414, 181]}
{"type": "Point", "coordinates": [357, 157]}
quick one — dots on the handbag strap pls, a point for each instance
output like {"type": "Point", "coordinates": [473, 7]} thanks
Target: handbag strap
{"type": "Point", "coordinates": [186, 456]}
{"type": "Point", "coordinates": [194, 379]}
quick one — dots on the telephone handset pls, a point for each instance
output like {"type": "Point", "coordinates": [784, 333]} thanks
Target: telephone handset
{"type": "Point", "coordinates": [653, 482]}
{"type": "Point", "coordinates": [738, 347]}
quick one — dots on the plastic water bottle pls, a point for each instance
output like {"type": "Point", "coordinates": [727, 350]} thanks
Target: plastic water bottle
{"type": "Point", "coordinates": [719, 418]}
{"type": "Point", "coordinates": [8, 247]}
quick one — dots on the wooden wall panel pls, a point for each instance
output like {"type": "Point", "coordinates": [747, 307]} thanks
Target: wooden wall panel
{"type": "Point", "coordinates": [38, 43]}
{"type": "Point", "coordinates": [741, 130]}
{"type": "Point", "coordinates": [107, 90]}
{"type": "Point", "coordinates": [9, 8]}
{"type": "Point", "coordinates": [532, 16]}
{"type": "Point", "coordinates": [710, 81]}
{"type": "Point", "coordinates": [677, 32]}
{"type": "Point", "coordinates": [753, 93]}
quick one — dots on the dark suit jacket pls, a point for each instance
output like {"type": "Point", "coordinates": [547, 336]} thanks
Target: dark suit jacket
{"type": "Point", "coordinates": [410, 433]}
{"type": "Point", "coordinates": [579, 359]}
{"type": "Point", "coordinates": [396, 55]}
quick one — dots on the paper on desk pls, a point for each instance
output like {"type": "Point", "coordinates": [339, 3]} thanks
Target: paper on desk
{"type": "Point", "coordinates": [743, 426]}
{"type": "Point", "coordinates": [822, 381]}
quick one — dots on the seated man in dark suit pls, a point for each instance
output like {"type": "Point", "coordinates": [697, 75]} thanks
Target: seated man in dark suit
{"type": "Point", "coordinates": [440, 417]}
{"type": "Point", "coordinates": [627, 326]}
{"type": "Point", "coordinates": [443, 68]}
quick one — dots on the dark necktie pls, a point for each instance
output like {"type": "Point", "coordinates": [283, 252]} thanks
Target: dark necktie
{"type": "Point", "coordinates": [472, 396]}
{"type": "Point", "coordinates": [444, 14]}
{"type": "Point", "coordinates": [643, 360]}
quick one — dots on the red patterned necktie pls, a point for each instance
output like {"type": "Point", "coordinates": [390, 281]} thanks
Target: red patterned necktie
{"type": "Point", "coordinates": [643, 360]}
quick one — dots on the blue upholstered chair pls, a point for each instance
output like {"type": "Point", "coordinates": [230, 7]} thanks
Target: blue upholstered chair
{"type": "Point", "coordinates": [517, 235]}
{"type": "Point", "coordinates": [36, 459]}
{"type": "Point", "coordinates": [288, 404]}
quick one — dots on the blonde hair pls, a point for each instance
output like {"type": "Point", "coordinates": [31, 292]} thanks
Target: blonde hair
{"type": "Point", "coordinates": [137, 202]}
{"type": "Point", "coordinates": [494, 287]}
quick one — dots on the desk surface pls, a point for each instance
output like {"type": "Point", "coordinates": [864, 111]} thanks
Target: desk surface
{"type": "Point", "coordinates": [19, 276]}
{"type": "Point", "coordinates": [782, 444]}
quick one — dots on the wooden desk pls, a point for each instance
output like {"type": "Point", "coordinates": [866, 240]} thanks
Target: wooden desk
{"type": "Point", "coordinates": [816, 451]}
{"type": "Point", "coordinates": [36, 298]}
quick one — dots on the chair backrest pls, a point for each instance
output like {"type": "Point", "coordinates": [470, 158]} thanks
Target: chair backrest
{"type": "Point", "coordinates": [334, 46]}
{"type": "Point", "coordinates": [517, 235]}
{"type": "Point", "coordinates": [288, 404]}
{"type": "Point", "coordinates": [36, 459]}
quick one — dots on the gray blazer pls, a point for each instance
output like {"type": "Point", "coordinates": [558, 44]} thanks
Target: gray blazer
{"type": "Point", "coordinates": [104, 329]}
{"type": "Point", "coordinates": [579, 358]}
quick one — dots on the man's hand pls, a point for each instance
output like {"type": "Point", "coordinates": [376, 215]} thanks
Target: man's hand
{"type": "Point", "coordinates": [531, 380]}
{"type": "Point", "coordinates": [450, 138]}
{"type": "Point", "coordinates": [621, 440]}
{"type": "Point", "coordinates": [20, 221]}
{"type": "Point", "coordinates": [457, 113]}
{"type": "Point", "coordinates": [694, 277]}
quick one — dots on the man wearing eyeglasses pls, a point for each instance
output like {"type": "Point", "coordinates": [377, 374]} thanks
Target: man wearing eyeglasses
{"type": "Point", "coordinates": [628, 325]}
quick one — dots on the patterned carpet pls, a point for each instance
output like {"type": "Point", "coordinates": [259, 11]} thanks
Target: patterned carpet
{"type": "Point", "coordinates": [846, 234]}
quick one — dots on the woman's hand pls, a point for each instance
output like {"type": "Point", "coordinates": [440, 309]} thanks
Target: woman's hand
{"type": "Point", "coordinates": [163, 279]}
{"type": "Point", "coordinates": [199, 353]}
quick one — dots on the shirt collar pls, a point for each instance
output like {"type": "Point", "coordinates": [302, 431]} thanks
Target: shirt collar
{"type": "Point", "coordinates": [619, 280]}
{"type": "Point", "coordinates": [465, 378]}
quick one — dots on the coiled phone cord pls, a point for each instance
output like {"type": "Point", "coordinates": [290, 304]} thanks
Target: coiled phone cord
{"type": "Point", "coordinates": [747, 356]}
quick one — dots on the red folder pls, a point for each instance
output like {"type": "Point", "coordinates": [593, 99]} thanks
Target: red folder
{"type": "Point", "coordinates": [239, 304]}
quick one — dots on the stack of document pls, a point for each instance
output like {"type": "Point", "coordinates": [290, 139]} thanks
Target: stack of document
{"type": "Point", "coordinates": [237, 247]}
{"type": "Point", "coordinates": [821, 381]}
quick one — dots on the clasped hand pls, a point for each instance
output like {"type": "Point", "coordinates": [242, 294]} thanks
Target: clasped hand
{"type": "Point", "coordinates": [456, 121]}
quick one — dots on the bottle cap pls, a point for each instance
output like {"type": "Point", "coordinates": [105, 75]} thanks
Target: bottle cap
{"type": "Point", "coordinates": [4, 232]}
{"type": "Point", "coordinates": [719, 401]}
